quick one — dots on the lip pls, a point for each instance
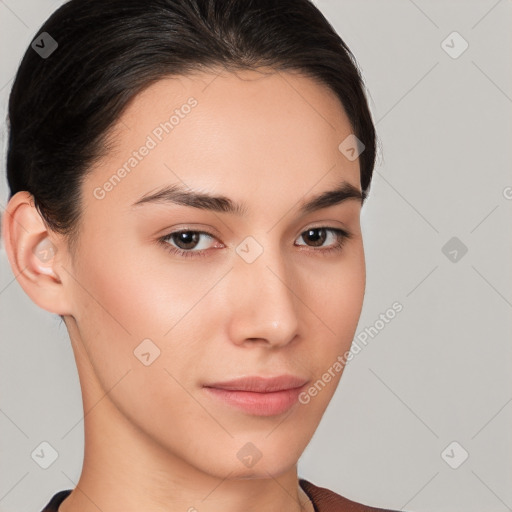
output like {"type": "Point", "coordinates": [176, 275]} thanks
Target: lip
{"type": "Point", "coordinates": [260, 396]}
{"type": "Point", "coordinates": [260, 384]}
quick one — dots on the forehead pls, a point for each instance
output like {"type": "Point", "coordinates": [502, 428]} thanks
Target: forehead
{"type": "Point", "coordinates": [232, 133]}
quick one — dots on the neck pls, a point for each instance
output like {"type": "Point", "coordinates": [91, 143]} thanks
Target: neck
{"type": "Point", "coordinates": [127, 468]}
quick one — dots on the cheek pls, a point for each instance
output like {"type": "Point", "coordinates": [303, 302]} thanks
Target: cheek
{"type": "Point", "coordinates": [139, 289]}
{"type": "Point", "coordinates": [127, 295]}
{"type": "Point", "coordinates": [334, 291]}
{"type": "Point", "coordinates": [335, 298]}
{"type": "Point", "coordinates": [128, 307]}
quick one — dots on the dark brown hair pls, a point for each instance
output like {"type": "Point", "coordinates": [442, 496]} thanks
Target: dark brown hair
{"type": "Point", "coordinates": [61, 106]}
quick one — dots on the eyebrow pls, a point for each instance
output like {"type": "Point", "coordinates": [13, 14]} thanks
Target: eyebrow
{"type": "Point", "coordinates": [177, 194]}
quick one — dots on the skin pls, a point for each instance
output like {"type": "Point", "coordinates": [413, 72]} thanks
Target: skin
{"type": "Point", "coordinates": [154, 439]}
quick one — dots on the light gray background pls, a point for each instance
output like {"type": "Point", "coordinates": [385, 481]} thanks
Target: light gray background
{"type": "Point", "coordinates": [440, 370]}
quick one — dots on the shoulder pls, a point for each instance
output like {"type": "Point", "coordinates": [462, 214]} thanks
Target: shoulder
{"type": "Point", "coordinates": [325, 500]}
{"type": "Point", "coordinates": [57, 499]}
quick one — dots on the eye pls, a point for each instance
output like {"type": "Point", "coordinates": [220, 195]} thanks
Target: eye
{"type": "Point", "coordinates": [185, 240]}
{"type": "Point", "coordinates": [187, 243]}
{"type": "Point", "coordinates": [318, 235]}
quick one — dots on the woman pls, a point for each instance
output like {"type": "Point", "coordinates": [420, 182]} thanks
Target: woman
{"type": "Point", "coordinates": [186, 181]}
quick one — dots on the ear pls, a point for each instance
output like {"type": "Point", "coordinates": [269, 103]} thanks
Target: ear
{"type": "Point", "coordinates": [35, 254]}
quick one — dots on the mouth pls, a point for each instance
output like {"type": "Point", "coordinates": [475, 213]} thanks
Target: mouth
{"type": "Point", "coordinates": [259, 396]}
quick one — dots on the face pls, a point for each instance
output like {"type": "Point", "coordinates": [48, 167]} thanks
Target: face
{"type": "Point", "coordinates": [168, 296]}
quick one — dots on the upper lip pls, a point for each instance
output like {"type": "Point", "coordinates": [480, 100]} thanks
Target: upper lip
{"type": "Point", "coordinates": [261, 384]}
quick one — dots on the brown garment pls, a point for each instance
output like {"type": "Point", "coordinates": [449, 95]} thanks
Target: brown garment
{"type": "Point", "coordinates": [323, 500]}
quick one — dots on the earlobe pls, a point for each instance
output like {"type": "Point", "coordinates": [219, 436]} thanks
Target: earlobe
{"type": "Point", "coordinates": [33, 255]}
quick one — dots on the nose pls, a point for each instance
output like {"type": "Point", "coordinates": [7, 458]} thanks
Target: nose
{"type": "Point", "coordinates": [264, 306]}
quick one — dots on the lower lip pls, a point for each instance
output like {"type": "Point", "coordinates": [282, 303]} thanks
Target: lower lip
{"type": "Point", "coordinates": [260, 404]}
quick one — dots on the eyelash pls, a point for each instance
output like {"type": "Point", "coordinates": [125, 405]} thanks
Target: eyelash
{"type": "Point", "coordinates": [341, 235]}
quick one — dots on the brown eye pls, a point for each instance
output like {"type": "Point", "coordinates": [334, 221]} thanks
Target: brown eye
{"type": "Point", "coordinates": [186, 239]}
{"type": "Point", "coordinates": [185, 242]}
{"type": "Point", "coordinates": [316, 235]}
